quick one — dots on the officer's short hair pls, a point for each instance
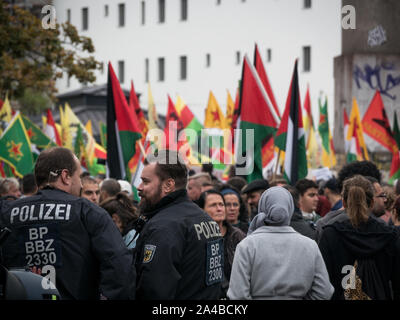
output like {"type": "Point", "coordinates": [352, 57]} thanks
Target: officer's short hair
{"type": "Point", "coordinates": [51, 162]}
{"type": "Point", "coordinates": [169, 164]}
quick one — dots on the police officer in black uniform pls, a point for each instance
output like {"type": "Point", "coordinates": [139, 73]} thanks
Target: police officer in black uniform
{"type": "Point", "coordinates": [180, 249]}
{"type": "Point", "coordinates": [77, 239]}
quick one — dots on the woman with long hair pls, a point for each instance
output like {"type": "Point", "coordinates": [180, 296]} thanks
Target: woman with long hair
{"type": "Point", "coordinates": [361, 253]}
{"type": "Point", "coordinates": [124, 215]}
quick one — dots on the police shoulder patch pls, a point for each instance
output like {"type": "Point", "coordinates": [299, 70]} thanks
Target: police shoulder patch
{"type": "Point", "coordinates": [149, 251]}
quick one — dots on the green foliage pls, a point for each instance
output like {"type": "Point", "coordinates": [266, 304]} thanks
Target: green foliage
{"type": "Point", "coordinates": [33, 57]}
{"type": "Point", "coordinates": [34, 102]}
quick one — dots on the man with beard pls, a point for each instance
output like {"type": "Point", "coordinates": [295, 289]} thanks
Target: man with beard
{"type": "Point", "coordinates": [378, 210]}
{"type": "Point", "coordinates": [253, 192]}
{"type": "Point", "coordinates": [180, 248]}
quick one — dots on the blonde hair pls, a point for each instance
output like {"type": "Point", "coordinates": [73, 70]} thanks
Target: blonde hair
{"type": "Point", "coordinates": [358, 195]}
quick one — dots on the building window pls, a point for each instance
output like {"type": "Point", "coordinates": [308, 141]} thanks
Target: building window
{"type": "Point", "coordinates": [161, 69]}
{"type": "Point", "coordinates": [69, 15]}
{"type": "Point", "coordinates": [146, 70]}
{"type": "Point", "coordinates": [238, 60]}
{"type": "Point", "coordinates": [307, 4]}
{"type": "Point", "coordinates": [161, 11]}
{"type": "Point", "coordinates": [121, 71]}
{"type": "Point", "coordinates": [218, 2]}
{"type": "Point", "coordinates": [85, 18]}
{"type": "Point", "coordinates": [106, 10]}
{"type": "Point", "coordinates": [68, 82]}
{"type": "Point", "coordinates": [184, 10]}
{"type": "Point", "coordinates": [208, 60]}
{"type": "Point", "coordinates": [143, 5]}
{"type": "Point", "coordinates": [269, 55]}
{"type": "Point", "coordinates": [121, 14]}
{"type": "Point", "coordinates": [183, 65]}
{"type": "Point", "coordinates": [306, 59]}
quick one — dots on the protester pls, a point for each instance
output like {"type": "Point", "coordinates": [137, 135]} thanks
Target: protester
{"type": "Point", "coordinates": [297, 221]}
{"type": "Point", "coordinates": [323, 206]}
{"type": "Point", "coordinates": [29, 187]}
{"type": "Point", "coordinates": [126, 187]}
{"type": "Point", "coordinates": [378, 209]}
{"type": "Point", "coordinates": [179, 242]}
{"type": "Point", "coordinates": [90, 189]}
{"type": "Point", "coordinates": [109, 188]}
{"type": "Point", "coordinates": [236, 211]}
{"type": "Point", "coordinates": [364, 168]}
{"type": "Point", "coordinates": [124, 215]}
{"type": "Point", "coordinates": [195, 183]}
{"type": "Point", "coordinates": [395, 219]}
{"type": "Point", "coordinates": [76, 237]}
{"type": "Point", "coordinates": [209, 168]}
{"type": "Point", "coordinates": [213, 203]}
{"type": "Point", "coordinates": [237, 182]}
{"type": "Point", "coordinates": [253, 192]}
{"type": "Point", "coordinates": [274, 261]}
{"type": "Point", "coordinates": [332, 193]}
{"type": "Point", "coordinates": [206, 186]}
{"type": "Point", "coordinates": [361, 248]}
{"type": "Point", "coordinates": [9, 188]}
{"type": "Point", "coordinates": [308, 200]}
{"type": "Point", "coordinates": [389, 203]}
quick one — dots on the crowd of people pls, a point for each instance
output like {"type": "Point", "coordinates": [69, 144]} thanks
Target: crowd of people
{"type": "Point", "coordinates": [192, 236]}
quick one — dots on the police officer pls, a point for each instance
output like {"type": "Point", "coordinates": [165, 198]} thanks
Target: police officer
{"type": "Point", "coordinates": [76, 238]}
{"type": "Point", "coordinates": [180, 249]}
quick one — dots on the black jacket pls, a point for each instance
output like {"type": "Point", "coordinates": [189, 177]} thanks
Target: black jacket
{"type": "Point", "coordinates": [302, 226]}
{"type": "Point", "coordinates": [179, 252]}
{"type": "Point", "coordinates": [75, 236]}
{"type": "Point", "coordinates": [372, 244]}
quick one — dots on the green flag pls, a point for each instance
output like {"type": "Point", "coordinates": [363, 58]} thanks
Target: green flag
{"type": "Point", "coordinates": [79, 144]}
{"type": "Point", "coordinates": [15, 147]}
{"type": "Point", "coordinates": [36, 136]}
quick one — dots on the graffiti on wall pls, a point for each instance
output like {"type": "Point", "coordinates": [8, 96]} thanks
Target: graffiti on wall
{"type": "Point", "coordinates": [380, 77]}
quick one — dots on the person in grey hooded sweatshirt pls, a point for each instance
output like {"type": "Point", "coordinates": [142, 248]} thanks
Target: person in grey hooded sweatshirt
{"type": "Point", "coordinates": [274, 262]}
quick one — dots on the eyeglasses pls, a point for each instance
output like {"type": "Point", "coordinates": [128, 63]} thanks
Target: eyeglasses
{"type": "Point", "coordinates": [382, 195]}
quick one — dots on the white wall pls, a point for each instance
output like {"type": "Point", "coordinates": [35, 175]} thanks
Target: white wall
{"type": "Point", "coordinates": [221, 30]}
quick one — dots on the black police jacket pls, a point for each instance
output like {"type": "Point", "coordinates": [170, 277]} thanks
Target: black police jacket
{"type": "Point", "coordinates": [179, 252]}
{"type": "Point", "coordinates": [76, 237]}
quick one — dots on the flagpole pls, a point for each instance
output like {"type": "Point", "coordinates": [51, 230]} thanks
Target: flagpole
{"type": "Point", "coordinates": [276, 165]}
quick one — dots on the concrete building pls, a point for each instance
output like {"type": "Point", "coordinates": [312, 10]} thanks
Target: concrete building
{"type": "Point", "coordinates": [370, 61]}
{"type": "Point", "coordinates": [189, 47]}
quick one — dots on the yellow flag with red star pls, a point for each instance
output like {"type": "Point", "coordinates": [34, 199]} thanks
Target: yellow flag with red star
{"type": "Point", "coordinates": [15, 147]}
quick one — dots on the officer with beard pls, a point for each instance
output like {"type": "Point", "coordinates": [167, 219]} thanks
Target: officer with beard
{"type": "Point", "coordinates": [180, 249]}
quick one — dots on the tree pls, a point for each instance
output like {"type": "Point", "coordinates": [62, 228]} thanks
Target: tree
{"type": "Point", "coordinates": [33, 58]}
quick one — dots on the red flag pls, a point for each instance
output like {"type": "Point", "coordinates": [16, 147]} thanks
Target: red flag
{"type": "Point", "coordinates": [173, 127]}
{"type": "Point", "coordinates": [51, 129]}
{"type": "Point", "coordinates": [376, 124]}
{"type": "Point", "coordinates": [258, 64]}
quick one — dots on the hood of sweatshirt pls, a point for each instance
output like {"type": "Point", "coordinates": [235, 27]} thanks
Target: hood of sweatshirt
{"type": "Point", "coordinates": [367, 239]}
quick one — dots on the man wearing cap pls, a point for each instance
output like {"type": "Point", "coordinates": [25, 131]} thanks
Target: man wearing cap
{"type": "Point", "coordinates": [253, 191]}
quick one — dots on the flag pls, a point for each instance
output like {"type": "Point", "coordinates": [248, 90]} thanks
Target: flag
{"type": "Point", "coordinates": [79, 148]}
{"type": "Point", "coordinates": [376, 124]}
{"type": "Point", "coordinates": [258, 64]}
{"type": "Point", "coordinates": [356, 131]}
{"type": "Point", "coordinates": [230, 109]}
{"type": "Point", "coordinates": [51, 129]}
{"type": "Point", "coordinates": [328, 152]}
{"type": "Point", "coordinates": [152, 113]}
{"type": "Point", "coordinates": [214, 118]}
{"type": "Point", "coordinates": [256, 114]}
{"type": "Point", "coordinates": [5, 114]}
{"type": "Point", "coordinates": [36, 136]}
{"type": "Point", "coordinates": [309, 130]}
{"type": "Point", "coordinates": [122, 129]}
{"type": "Point", "coordinates": [290, 136]}
{"type": "Point", "coordinates": [395, 168]}
{"type": "Point", "coordinates": [15, 147]}
{"type": "Point", "coordinates": [88, 127]}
